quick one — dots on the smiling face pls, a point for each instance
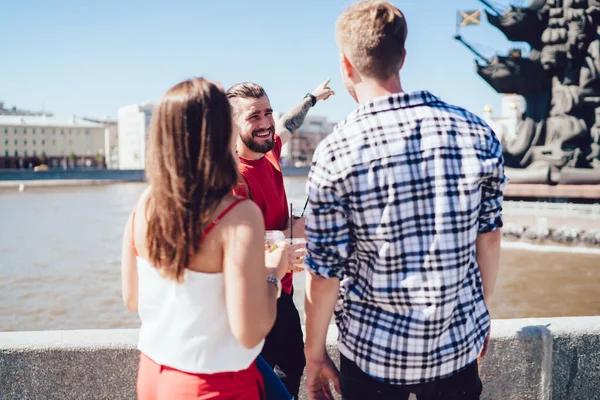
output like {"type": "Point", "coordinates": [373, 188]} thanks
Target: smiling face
{"type": "Point", "coordinates": [255, 124]}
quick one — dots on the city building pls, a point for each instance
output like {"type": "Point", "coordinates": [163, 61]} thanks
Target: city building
{"type": "Point", "coordinates": [111, 144]}
{"type": "Point", "coordinates": [133, 126]}
{"type": "Point", "coordinates": [299, 150]}
{"type": "Point", "coordinates": [16, 111]}
{"type": "Point", "coordinates": [28, 141]}
{"type": "Point", "coordinates": [505, 125]}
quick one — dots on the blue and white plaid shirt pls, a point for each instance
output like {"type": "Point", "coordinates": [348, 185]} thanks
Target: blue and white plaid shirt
{"type": "Point", "coordinates": [397, 194]}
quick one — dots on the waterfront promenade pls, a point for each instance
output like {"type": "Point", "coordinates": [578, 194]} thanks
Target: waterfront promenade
{"type": "Point", "coordinates": [80, 177]}
{"type": "Point", "coordinates": [74, 177]}
{"type": "Point", "coordinates": [529, 359]}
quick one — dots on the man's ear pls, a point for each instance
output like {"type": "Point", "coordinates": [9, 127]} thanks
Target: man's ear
{"type": "Point", "coordinates": [347, 68]}
{"type": "Point", "coordinates": [403, 59]}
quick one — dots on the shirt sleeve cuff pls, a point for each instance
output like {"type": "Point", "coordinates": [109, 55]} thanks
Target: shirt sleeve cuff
{"type": "Point", "coordinates": [323, 272]}
{"type": "Point", "coordinates": [490, 223]}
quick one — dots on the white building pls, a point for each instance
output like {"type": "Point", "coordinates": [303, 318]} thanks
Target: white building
{"type": "Point", "coordinates": [111, 142]}
{"type": "Point", "coordinates": [133, 127]}
{"type": "Point", "coordinates": [30, 140]}
{"type": "Point", "coordinates": [505, 125]}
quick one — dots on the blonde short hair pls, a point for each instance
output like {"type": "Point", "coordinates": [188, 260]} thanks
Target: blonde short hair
{"type": "Point", "coordinates": [372, 33]}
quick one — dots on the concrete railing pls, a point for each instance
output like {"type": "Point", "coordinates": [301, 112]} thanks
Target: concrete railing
{"type": "Point", "coordinates": [541, 359]}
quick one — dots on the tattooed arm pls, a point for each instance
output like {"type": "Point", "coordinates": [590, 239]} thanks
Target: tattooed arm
{"type": "Point", "coordinates": [289, 123]}
{"type": "Point", "coordinates": [293, 119]}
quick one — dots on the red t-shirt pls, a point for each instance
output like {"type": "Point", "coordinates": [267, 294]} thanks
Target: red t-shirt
{"type": "Point", "coordinates": [265, 181]}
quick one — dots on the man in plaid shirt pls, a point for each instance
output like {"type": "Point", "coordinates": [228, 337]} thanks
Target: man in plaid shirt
{"type": "Point", "coordinates": [404, 233]}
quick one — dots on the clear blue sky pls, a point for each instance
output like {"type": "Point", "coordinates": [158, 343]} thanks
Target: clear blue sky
{"type": "Point", "coordinates": [88, 58]}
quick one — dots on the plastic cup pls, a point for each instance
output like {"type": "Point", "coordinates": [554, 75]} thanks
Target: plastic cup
{"type": "Point", "coordinates": [272, 238]}
{"type": "Point", "coordinates": [296, 241]}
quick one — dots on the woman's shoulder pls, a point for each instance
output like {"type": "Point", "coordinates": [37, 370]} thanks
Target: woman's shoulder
{"type": "Point", "coordinates": [242, 210]}
{"type": "Point", "coordinates": [247, 207]}
{"type": "Point", "coordinates": [142, 199]}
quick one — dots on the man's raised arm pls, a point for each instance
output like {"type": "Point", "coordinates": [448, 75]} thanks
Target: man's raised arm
{"type": "Point", "coordinates": [293, 119]}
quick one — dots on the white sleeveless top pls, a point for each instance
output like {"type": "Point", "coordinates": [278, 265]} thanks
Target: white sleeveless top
{"type": "Point", "coordinates": [185, 326]}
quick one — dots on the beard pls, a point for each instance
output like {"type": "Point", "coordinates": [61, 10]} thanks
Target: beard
{"type": "Point", "coordinates": [261, 145]}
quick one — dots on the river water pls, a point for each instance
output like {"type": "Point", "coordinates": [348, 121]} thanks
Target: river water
{"type": "Point", "coordinates": [60, 250]}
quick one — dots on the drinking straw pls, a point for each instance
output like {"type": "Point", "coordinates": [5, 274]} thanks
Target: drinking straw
{"type": "Point", "coordinates": [304, 209]}
{"type": "Point", "coordinates": [292, 218]}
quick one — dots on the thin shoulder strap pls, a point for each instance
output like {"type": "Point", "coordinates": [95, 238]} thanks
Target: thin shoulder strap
{"type": "Point", "coordinates": [220, 217]}
{"type": "Point", "coordinates": [137, 204]}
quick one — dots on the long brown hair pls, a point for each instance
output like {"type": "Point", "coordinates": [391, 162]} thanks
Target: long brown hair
{"type": "Point", "coordinates": [190, 168]}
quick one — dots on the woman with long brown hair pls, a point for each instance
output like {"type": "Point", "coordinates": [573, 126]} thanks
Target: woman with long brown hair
{"type": "Point", "coordinates": [193, 261]}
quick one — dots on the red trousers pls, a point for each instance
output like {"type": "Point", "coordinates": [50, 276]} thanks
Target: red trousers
{"type": "Point", "coordinates": [157, 382]}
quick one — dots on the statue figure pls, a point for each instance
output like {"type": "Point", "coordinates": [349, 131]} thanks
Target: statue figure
{"type": "Point", "coordinates": [558, 138]}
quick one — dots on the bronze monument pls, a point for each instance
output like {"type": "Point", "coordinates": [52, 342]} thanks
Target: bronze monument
{"type": "Point", "coordinates": [558, 136]}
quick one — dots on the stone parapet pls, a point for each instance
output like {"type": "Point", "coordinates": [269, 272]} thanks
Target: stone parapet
{"type": "Point", "coordinates": [541, 359]}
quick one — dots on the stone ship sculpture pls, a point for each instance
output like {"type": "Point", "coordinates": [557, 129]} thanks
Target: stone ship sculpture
{"type": "Point", "coordinates": [558, 136]}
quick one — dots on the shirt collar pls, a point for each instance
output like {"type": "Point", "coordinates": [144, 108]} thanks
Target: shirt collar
{"type": "Point", "coordinates": [394, 102]}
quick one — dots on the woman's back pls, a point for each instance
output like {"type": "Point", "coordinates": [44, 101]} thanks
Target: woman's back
{"type": "Point", "coordinates": [184, 324]}
{"type": "Point", "coordinates": [209, 257]}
